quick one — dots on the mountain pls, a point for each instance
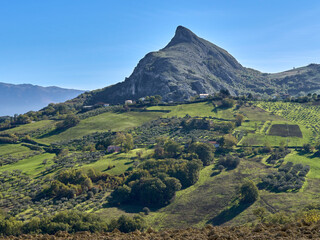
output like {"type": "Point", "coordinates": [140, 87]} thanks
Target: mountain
{"type": "Point", "coordinates": [22, 98]}
{"type": "Point", "coordinates": [190, 65]}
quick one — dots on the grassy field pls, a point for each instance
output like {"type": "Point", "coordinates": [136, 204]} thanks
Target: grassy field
{"type": "Point", "coordinates": [31, 127]}
{"type": "Point", "coordinates": [13, 149]}
{"type": "Point", "coordinates": [30, 166]}
{"type": "Point", "coordinates": [207, 200]}
{"type": "Point", "coordinates": [203, 109]}
{"type": "Point", "coordinates": [259, 135]}
{"type": "Point", "coordinates": [302, 114]}
{"type": "Point", "coordinates": [306, 159]}
{"type": "Point", "coordinates": [101, 123]}
{"type": "Point", "coordinates": [120, 161]}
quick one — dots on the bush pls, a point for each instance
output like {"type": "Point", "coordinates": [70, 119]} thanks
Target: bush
{"type": "Point", "coordinates": [229, 162]}
{"type": "Point", "coordinates": [70, 121]}
{"type": "Point", "coordinates": [127, 224]}
{"type": "Point", "coordinates": [120, 195]}
{"type": "Point", "coordinates": [227, 103]}
{"type": "Point", "coordinates": [249, 192]}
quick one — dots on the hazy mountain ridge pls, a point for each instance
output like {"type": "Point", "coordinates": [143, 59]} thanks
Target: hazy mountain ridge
{"type": "Point", "coordinates": [22, 98]}
{"type": "Point", "coordinates": [190, 65]}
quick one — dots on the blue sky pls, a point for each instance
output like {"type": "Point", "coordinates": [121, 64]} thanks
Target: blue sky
{"type": "Point", "coordinates": [92, 44]}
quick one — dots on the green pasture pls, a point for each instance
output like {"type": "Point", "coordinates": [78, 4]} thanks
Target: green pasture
{"type": "Point", "coordinates": [202, 109]}
{"type": "Point", "coordinates": [101, 123]}
{"type": "Point", "coordinates": [260, 137]}
{"type": "Point", "coordinates": [120, 161]}
{"type": "Point", "coordinates": [13, 149]}
{"type": "Point", "coordinates": [30, 127]}
{"type": "Point", "coordinates": [30, 166]}
{"type": "Point", "coordinates": [306, 159]}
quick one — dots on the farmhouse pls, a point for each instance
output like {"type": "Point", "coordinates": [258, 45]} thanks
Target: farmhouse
{"type": "Point", "coordinates": [214, 143]}
{"type": "Point", "coordinates": [203, 95]}
{"type": "Point", "coordinates": [113, 148]}
{"type": "Point", "coordinates": [102, 104]}
{"type": "Point", "coordinates": [128, 102]}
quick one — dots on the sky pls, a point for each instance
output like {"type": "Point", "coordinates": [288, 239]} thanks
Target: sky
{"type": "Point", "coordinates": [90, 44]}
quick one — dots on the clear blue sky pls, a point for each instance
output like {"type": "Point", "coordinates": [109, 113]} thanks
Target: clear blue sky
{"type": "Point", "coordinates": [94, 43]}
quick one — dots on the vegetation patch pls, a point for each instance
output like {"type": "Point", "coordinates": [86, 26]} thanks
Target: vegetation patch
{"type": "Point", "coordinates": [285, 130]}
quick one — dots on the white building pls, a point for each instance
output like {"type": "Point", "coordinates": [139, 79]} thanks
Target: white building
{"type": "Point", "coordinates": [204, 95]}
{"type": "Point", "coordinates": [128, 102]}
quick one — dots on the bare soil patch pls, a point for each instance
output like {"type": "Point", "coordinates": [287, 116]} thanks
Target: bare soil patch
{"type": "Point", "coordinates": [285, 130]}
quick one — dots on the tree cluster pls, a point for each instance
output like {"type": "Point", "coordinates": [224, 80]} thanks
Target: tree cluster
{"type": "Point", "coordinates": [68, 221]}
{"type": "Point", "coordinates": [156, 182]}
{"type": "Point", "coordinates": [290, 177]}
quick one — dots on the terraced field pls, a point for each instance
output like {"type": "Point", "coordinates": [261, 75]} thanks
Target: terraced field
{"type": "Point", "coordinates": [302, 114]}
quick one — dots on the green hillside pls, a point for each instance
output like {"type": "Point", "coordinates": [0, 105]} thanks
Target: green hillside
{"type": "Point", "coordinates": [46, 170]}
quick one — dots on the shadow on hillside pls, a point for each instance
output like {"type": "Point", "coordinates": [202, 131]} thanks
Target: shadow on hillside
{"type": "Point", "coordinates": [228, 214]}
{"type": "Point", "coordinates": [128, 208]}
{"type": "Point", "coordinates": [53, 132]}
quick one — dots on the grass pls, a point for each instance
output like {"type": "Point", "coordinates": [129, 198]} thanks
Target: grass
{"type": "Point", "coordinates": [301, 114]}
{"type": "Point", "coordinates": [30, 166]}
{"type": "Point", "coordinates": [13, 149]}
{"type": "Point", "coordinates": [260, 136]}
{"type": "Point", "coordinates": [202, 202]}
{"type": "Point", "coordinates": [30, 127]}
{"type": "Point", "coordinates": [120, 161]}
{"type": "Point", "coordinates": [202, 109]}
{"type": "Point", "coordinates": [306, 159]}
{"type": "Point", "coordinates": [101, 123]}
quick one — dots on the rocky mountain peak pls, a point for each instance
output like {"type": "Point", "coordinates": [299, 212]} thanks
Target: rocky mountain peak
{"type": "Point", "coordinates": [182, 35]}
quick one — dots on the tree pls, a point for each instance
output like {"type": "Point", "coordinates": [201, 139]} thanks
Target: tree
{"type": "Point", "coordinates": [228, 141]}
{"type": "Point", "coordinates": [307, 147]}
{"type": "Point", "coordinates": [120, 195]}
{"type": "Point", "coordinates": [239, 119]}
{"type": "Point", "coordinates": [204, 152]}
{"type": "Point", "coordinates": [70, 121]}
{"type": "Point", "coordinates": [127, 224]}
{"type": "Point", "coordinates": [260, 213]}
{"type": "Point", "coordinates": [227, 103]}
{"type": "Point", "coordinates": [128, 144]}
{"type": "Point", "coordinates": [249, 192]}
{"type": "Point", "coordinates": [120, 139]}
{"type": "Point", "coordinates": [23, 119]}
{"type": "Point", "coordinates": [172, 148]}
{"type": "Point", "coordinates": [125, 141]}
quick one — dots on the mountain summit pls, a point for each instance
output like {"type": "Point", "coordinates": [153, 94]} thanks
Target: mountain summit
{"type": "Point", "coordinates": [190, 65]}
{"type": "Point", "coordinates": [183, 35]}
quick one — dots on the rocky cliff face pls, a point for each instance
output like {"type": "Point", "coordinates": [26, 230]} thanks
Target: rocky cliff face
{"type": "Point", "coordinates": [187, 66]}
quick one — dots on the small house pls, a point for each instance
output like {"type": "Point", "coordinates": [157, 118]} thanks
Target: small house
{"type": "Point", "coordinates": [113, 148]}
{"type": "Point", "coordinates": [214, 143]}
{"type": "Point", "coordinates": [106, 105]}
{"type": "Point", "coordinates": [203, 95]}
{"type": "Point", "coordinates": [128, 102]}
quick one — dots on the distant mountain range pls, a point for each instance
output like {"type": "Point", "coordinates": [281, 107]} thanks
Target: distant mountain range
{"type": "Point", "coordinates": [21, 98]}
{"type": "Point", "coordinates": [190, 65]}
